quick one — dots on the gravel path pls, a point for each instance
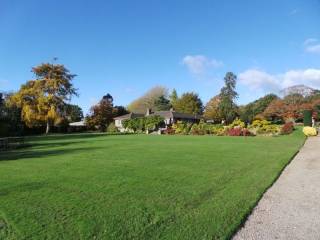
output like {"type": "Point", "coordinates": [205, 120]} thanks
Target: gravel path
{"type": "Point", "coordinates": [290, 209]}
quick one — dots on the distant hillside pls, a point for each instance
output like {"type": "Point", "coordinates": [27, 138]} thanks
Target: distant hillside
{"type": "Point", "coordinates": [298, 89]}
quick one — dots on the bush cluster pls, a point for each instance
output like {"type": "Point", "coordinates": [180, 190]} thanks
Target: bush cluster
{"type": "Point", "coordinates": [112, 128]}
{"type": "Point", "coordinates": [144, 123]}
{"type": "Point", "coordinates": [310, 131]}
{"type": "Point", "coordinates": [238, 131]}
{"type": "Point", "coordinates": [236, 128]}
{"type": "Point", "coordinates": [200, 128]}
{"type": "Point", "coordinates": [181, 127]}
{"type": "Point", "coordinates": [264, 127]}
{"type": "Point", "coordinates": [287, 128]}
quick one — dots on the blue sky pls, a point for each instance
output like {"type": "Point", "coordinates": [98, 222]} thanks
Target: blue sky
{"type": "Point", "coordinates": [126, 47]}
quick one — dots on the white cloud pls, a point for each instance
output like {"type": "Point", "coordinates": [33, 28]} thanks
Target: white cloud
{"type": "Point", "coordinates": [260, 80]}
{"type": "Point", "coordinates": [256, 79]}
{"type": "Point", "coordinates": [200, 64]}
{"type": "Point", "coordinates": [312, 45]}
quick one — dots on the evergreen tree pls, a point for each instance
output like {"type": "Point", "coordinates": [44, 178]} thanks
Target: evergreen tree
{"type": "Point", "coordinates": [162, 104]}
{"type": "Point", "coordinates": [228, 95]}
{"type": "Point", "coordinates": [173, 98]}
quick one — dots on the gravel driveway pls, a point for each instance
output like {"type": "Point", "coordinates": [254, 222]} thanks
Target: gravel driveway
{"type": "Point", "coordinates": [290, 209]}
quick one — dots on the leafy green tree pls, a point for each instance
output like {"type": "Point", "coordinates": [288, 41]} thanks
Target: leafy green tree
{"type": "Point", "coordinates": [108, 98]}
{"type": "Point", "coordinates": [313, 97]}
{"type": "Point", "coordinates": [189, 103]}
{"type": "Point", "coordinates": [228, 95]}
{"type": "Point", "coordinates": [173, 98]}
{"type": "Point", "coordinates": [74, 113]}
{"type": "Point", "coordinates": [10, 118]}
{"type": "Point", "coordinates": [294, 99]}
{"type": "Point", "coordinates": [2, 106]}
{"type": "Point", "coordinates": [251, 110]}
{"type": "Point", "coordinates": [43, 100]}
{"type": "Point", "coordinates": [162, 104]}
{"type": "Point", "coordinates": [119, 111]}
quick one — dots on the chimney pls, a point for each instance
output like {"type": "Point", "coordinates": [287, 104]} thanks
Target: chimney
{"type": "Point", "coordinates": [148, 112]}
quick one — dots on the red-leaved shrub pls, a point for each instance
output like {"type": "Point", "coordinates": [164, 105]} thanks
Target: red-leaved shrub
{"type": "Point", "coordinates": [237, 131]}
{"type": "Point", "coordinates": [169, 131]}
{"type": "Point", "coordinates": [246, 132]}
{"type": "Point", "coordinates": [287, 128]}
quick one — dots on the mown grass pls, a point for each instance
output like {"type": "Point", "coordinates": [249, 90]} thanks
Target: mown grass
{"type": "Point", "coordinates": [136, 186]}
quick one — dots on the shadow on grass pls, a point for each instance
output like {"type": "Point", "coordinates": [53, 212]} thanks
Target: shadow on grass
{"type": "Point", "coordinates": [40, 144]}
{"type": "Point", "coordinates": [66, 136]}
{"type": "Point", "coordinates": [22, 155]}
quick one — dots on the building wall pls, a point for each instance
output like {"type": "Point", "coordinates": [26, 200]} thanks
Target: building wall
{"type": "Point", "coordinates": [118, 123]}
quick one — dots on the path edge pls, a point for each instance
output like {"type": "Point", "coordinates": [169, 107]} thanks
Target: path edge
{"type": "Point", "coordinates": [247, 215]}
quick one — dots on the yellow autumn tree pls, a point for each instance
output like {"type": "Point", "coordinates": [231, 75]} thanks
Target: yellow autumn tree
{"type": "Point", "coordinates": [211, 110]}
{"type": "Point", "coordinates": [43, 100]}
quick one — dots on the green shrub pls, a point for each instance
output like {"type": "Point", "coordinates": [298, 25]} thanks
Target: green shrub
{"type": "Point", "coordinates": [135, 124]}
{"type": "Point", "coordinates": [4, 129]}
{"type": "Point", "coordinates": [199, 129]}
{"type": "Point", "coordinates": [216, 129]}
{"type": "Point", "coordinates": [181, 127]}
{"type": "Point", "coordinates": [112, 128]}
{"type": "Point", "coordinates": [153, 122]}
{"type": "Point", "coordinates": [143, 123]}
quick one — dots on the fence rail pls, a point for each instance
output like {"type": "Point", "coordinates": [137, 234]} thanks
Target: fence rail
{"type": "Point", "coordinates": [11, 143]}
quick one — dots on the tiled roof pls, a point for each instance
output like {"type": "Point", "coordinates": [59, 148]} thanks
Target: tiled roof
{"type": "Point", "coordinates": [174, 114]}
{"type": "Point", "coordinates": [129, 116]}
{"type": "Point", "coordinates": [164, 114]}
{"type": "Point", "coordinates": [185, 115]}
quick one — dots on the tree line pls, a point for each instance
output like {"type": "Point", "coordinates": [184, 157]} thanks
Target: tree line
{"type": "Point", "coordinates": [43, 104]}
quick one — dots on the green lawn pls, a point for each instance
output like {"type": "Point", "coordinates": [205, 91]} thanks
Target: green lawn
{"type": "Point", "coordinates": [136, 186]}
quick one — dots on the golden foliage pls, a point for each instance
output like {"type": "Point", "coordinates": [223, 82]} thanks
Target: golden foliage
{"type": "Point", "coordinates": [211, 111]}
{"type": "Point", "coordinates": [309, 131]}
{"type": "Point", "coordinates": [42, 100]}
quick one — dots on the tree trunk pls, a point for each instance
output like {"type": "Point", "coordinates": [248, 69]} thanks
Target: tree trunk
{"type": "Point", "coordinates": [48, 127]}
